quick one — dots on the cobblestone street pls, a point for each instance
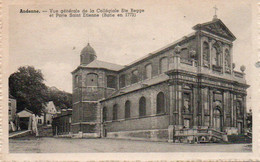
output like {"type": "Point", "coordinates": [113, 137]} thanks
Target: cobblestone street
{"type": "Point", "coordinates": [67, 145]}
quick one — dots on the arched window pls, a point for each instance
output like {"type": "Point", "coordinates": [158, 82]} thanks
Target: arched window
{"type": "Point", "coordinates": [227, 59]}
{"type": "Point", "coordinates": [92, 79]}
{"type": "Point", "coordinates": [206, 53]}
{"type": "Point", "coordinates": [77, 80]}
{"type": "Point", "coordinates": [142, 107]}
{"type": "Point", "coordinates": [104, 114]}
{"type": "Point", "coordinates": [127, 109]}
{"type": "Point", "coordinates": [115, 112]}
{"type": "Point", "coordinates": [160, 103]}
{"type": "Point", "coordinates": [148, 71]}
{"type": "Point", "coordinates": [185, 53]}
{"type": "Point", "coordinates": [134, 78]}
{"type": "Point", "coordinates": [163, 65]}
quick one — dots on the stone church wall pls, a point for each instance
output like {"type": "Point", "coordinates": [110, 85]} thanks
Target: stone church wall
{"type": "Point", "coordinates": [135, 124]}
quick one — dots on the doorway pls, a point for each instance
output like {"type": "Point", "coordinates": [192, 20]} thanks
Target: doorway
{"type": "Point", "coordinates": [239, 127]}
{"type": "Point", "coordinates": [217, 119]}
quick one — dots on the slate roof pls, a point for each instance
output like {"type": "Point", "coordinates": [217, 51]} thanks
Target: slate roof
{"type": "Point", "coordinates": [103, 65]}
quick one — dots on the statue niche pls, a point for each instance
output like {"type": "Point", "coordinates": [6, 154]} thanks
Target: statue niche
{"type": "Point", "coordinates": [206, 54]}
{"type": "Point", "coordinates": [186, 99]}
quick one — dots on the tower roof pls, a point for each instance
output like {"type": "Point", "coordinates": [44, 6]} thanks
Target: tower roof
{"type": "Point", "coordinates": [88, 50]}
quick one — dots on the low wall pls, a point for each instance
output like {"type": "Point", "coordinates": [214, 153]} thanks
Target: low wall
{"type": "Point", "coordinates": [149, 135]}
{"type": "Point", "coordinates": [144, 123]}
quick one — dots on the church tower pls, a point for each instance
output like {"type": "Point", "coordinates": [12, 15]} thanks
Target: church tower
{"type": "Point", "coordinates": [89, 86]}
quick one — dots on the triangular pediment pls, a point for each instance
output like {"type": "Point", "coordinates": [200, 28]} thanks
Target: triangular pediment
{"type": "Point", "coordinates": [216, 27]}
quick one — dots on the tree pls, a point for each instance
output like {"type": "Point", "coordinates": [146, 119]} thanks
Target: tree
{"type": "Point", "coordinates": [61, 99]}
{"type": "Point", "coordinates": [27, 86]}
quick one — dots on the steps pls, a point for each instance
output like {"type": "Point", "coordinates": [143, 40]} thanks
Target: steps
{"type": "Point", "coordinates": [18, 134]}
{"type": "Point", "coordinates": [239, 139]}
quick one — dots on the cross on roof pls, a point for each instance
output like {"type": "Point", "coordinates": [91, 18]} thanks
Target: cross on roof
{"type": "Point", "coordinates": [215, 16]}
{"type": "Point", "coordinates": [215, 8]}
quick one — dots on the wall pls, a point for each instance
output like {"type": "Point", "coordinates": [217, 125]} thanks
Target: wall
{"type": "Point", "coordinates": [135, 122]}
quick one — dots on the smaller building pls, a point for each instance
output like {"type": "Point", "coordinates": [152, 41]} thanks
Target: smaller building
{"type": "Point", "coordinates": [12, 117]}
{"type": "Point", "coordinates": [49, 112]}
{"type": "Point", "coordinates": [25, 117]}
{"type": "Point", "coordinates": [62, 122]}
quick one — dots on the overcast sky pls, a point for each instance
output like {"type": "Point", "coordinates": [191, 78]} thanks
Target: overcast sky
{"type": "Point", "coordinates": [48, 43]}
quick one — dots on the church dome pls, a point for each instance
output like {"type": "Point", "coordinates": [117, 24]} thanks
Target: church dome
{"type": "Point", "coordinates": [88, 50]}
{"type": "Point", "coordinates": [87, 55]}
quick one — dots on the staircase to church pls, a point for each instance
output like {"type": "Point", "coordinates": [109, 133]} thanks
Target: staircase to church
{"type": "Point", "coordinates": [200, 136]}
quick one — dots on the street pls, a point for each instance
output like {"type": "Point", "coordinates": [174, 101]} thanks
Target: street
{"type": "Point", "coordinates": [67, 145]}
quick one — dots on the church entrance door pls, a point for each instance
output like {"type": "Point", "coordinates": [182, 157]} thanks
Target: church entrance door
{"type": "Point", "coordinates": [217, 119]}
{"type": "Point", "coordinates": [239, 126]}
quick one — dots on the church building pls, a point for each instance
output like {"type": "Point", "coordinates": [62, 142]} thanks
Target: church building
{"type": "Point", "coordinates": [187, 91]}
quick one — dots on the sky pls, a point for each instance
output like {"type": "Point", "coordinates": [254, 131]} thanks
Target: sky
{"type": "Point", "coordinates": [54, 44]}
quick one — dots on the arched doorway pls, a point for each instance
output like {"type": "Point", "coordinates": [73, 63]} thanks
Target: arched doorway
{"type": "Point", "coordinates": [217, 119]}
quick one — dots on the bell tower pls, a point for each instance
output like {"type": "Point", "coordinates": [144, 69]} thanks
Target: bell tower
{"type": "Point", "coordinates": [87, 55]}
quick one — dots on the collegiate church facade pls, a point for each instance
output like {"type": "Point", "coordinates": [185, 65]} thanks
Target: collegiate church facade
{"type": "Point", "coordinates": [185, 91]}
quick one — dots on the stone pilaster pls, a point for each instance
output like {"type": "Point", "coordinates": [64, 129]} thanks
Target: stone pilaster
{"type": "Point", "coordinates": [179, 103]}
{"type": "Point", "coordinates": [153, 103]}
{"type": "Point", "coordinates": [195, 106]}
{"type": "Point", "coordinates": [235, 111]}
{"type": "Point", "coordinates": [244, 113]}
{"type": "Point", "coordinates": [231, 101]}
{"type": "Point", "coordinates": [210, 54]}
{"type": "Point", "coordinates": [172, 108]}
{"type": "Point", "coordinates": [204, 101]}
{"type": "Point", "coordinates": [211, 107]}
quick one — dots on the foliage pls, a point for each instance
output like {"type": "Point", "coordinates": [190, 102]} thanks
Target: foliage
{"type": "Point", "coordinates": [27, 86]}
{"type": "Point", "coordinates": [61, 99]}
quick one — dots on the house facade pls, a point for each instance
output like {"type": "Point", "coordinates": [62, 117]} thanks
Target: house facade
{"type": "Point", "coordinates": [185, 91]}
{"type": "Point", "coordinates": [48, 114]}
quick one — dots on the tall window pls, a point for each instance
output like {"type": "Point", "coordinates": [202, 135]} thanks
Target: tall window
{"type": "Point", "coordinates": [148, 71]}
{"type": "Point", "coordinates": [227, 59]}
{"type": "Point", "coordinates": [163, 65]}
{"type": "Point", "coordinates": [134, 78]}
{"type": "Point", "coordinates": [205, 53]}
{"type": "Point", "coordinates": [239, 109]}
{"type": "Point", "coordinates": [111, 81]}
{"type": "Point", "coordinates": [142, 107]}
{"type": "Point", "coordinates": [92, 79]}
{"type": "Point", "coordinates": [77, 80]}
{"type": "Point", "coordinates": [104, 114]}
{"type": "Point", "coordinates": [185, 53]}
{"type": "Point", "coordinates": [127, 109]}
{"type": "Point", "coordinates": [216, 56]}
{"type": "Point", "coordinates": [115, 117]}
{"type": "Point", "coordinates": [160, 103]}
{"type": "Point", "coordinates": [122, 81]}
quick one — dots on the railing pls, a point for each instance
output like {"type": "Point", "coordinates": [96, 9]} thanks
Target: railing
{"type": "Point", "coordinates": [216, 68]}
{"type": "Point", "coordinates": [238, 74]}
{"type": "Point", "coordinates": [186, 61]}
{"type": "Point", "coordinates": [190, 62]}
{"type": "Point", "coordinates": [217, 133]}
